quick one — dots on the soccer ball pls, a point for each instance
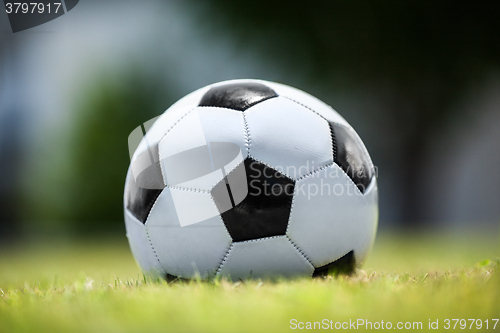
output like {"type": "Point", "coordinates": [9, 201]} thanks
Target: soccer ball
{"type": "Point", "coordinates": [249, 179]}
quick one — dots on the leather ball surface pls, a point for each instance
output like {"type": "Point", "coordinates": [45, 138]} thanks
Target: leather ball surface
{"type": "Point", "coordinates": [249, 179]}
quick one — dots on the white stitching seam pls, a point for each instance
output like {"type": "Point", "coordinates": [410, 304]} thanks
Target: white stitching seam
{"type": "Point", "coordinates": [267, 165]}
{"type": "Point", "coordinates": [154, 251]}
{"type": "Point", "coordinates": [224, 260]}
{"type": "Point", "coordinates": [303, 105]}
{"type": "Point", "coordinates": [349, 128]}
{"type": "Point", "coordinates": [218, 107]}
{"type": "Point", "coordinates": [260, 239]}
{"type": "Point", "coordinates": [173, 187]}
{"type": "Point", "coordinates": [163, 138]}
{"type": "Point", "coordinates": [152, 207]}
{"type": "Point", "coordinates": [221, 218]}
{"type": "Point", "coordinates": [248, 140]}
{"type": "Point", "coordinates": [360, 142]}
{"type": "Point", "coordinates": [315, 171]}
{"type": "Point", "coordinates": [300, 251]}
{"type": "Point", "coordinates": [247, 241]}
{"type": "Point", "coordinates": [263, 239]}
{"type": "Point", "coordinates": [227, 174]}
{"type": "Point", "coordinates": [291, 210]}
{"type": "Point", "coordinates": [324, 167]}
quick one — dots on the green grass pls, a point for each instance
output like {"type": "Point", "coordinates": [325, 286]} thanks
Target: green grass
{"type": "Point", "coordinates": [96, 287]}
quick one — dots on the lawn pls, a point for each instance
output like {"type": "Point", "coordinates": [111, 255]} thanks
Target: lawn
{"type": "Point", "coordinates": [95, 286]}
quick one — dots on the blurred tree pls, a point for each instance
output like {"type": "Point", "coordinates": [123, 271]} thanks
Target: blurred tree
{"type": "Point", "coordinates": [421, 54]}
{"type": "Point", "coordinates": [113, 106]}
{"type": "Point", "coordinates": [10, 161]}
{"type": "Point", "coordinates": [12, 131]}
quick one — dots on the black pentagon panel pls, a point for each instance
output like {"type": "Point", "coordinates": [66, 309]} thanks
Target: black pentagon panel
{"type": "Point", "coordinates": [344, 265]}
{"type": "Point", "coordinates": [351, 157]}
{"type": "Point", "coordinates": [139, 200]}
{"type": "Point", "coordinates": [172, 278]}
{"type": "Point", "coordinates": [237, 96]}
{"type": "Point", "coordinates": [144, 187]}
{"type": "Point", "coordinates": [232, 190]}
{"type": "Point", "coordinates": [265, 210]}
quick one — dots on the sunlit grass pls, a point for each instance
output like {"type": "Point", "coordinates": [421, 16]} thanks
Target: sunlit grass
{"type": "Point", "coordinates": [96, 286]}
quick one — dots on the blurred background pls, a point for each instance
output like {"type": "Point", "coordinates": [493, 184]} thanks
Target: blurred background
{"type": "Point", "coordinates": [418, 80]}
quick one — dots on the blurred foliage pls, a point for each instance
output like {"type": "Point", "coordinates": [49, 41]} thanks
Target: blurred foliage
{"type": "Point", "coordinates": [100, 144]}
{"type": "Point", "coordinates": [11, 133]}
{"type": "Point", "coordinates": [419, 56]}
{"type": "Point", "coordinates": [410, 42]}
{"type": "Point", "coordinates": [82, 189]}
